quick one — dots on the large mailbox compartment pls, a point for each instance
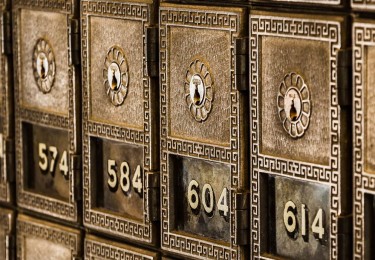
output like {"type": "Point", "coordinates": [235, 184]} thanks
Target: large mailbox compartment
{"type": "Point", "coordinates": [47, 96]}
{"type": "Point", "coordinates": [300, 175]}
{"type": "Point", "coordinates": [7, 234]}
{"type": "Point", "coordinates": [204, 213]}
{"type": "Point", "coordinates": [99, 248]}
{"type": "Point", "coordinates": [38, 239]}
{"type": "Point", "coordinates": [363, 138]}
{"type": "Point", "coordinates": [7, 174]}
{"type": "Point", "coordinates": [120, 119]}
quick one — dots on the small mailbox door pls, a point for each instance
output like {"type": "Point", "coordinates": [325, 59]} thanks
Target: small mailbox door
{"type": "Point", "coordinates": [47, 107]}
{"type": "Point", "coordinates": [203, 165]}
{"type": "Point", "coordinates": [297, 124]}
{"type": "Point", "coordinates": [38, 239]}
{"type": "Point", "coordinates": [120, 123]}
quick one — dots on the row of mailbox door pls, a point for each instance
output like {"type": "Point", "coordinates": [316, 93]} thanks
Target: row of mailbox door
{"type": "Point", "coordinates": [30, 238]}
{"type": "Point", "coordinates": [172, 123]}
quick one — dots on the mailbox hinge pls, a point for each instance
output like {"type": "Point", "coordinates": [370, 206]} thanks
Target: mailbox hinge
{"type": "Point", "coordinates": [10, 160]}
{"type": "Point", "coordinates": [75, 42]}
{"type": "Point", "coordinates": [344, 76]}
{"type": "Point", "coordinates": [76, 166]}
{"type": "Point", "coordinates": [242, 235]}
{"type": "Point", "coordinates": [153, 195]}
{"type": "Point", "coordinates": [7, 34]}
{"type": "Point", "coordinates": [9, 247]}
{"type": "Point", "coordinates": [241, 66]}
{"type": "Point", "coordinates": [152, 51]}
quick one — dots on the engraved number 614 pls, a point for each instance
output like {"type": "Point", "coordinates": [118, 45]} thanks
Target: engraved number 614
{"type": "Point", "coordinates": [291, 223]}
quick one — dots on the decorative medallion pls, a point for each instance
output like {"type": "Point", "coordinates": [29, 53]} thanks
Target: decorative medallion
{"type": "Point", "coordinates": [293, 102]}
{"type": "Point", "coordinates": [44, 66]}
{"type": "Point", "coordinates": [199, 92]}
{"type": "Point", "coordinates": [116, 75]}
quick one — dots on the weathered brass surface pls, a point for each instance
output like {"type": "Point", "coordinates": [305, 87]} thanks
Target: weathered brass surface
{"type": "Point", "coordinates": [203, 163]}
{"type": "Point", "coordinates": [6, 234]}
{"type": "Point", "coordinates": [306, 165]}
{"type": "Point", "coordinates": [98, 248]}
{"type": "Point", "coordinates": [6, 108]}
{"type": "Point", "coordinates": [47, 108]}
{"type": "Point", "coordinates": [120, 123]}
{"type": "Point", "coordinates": [38, 239]}
{"type": "Point", "coordinates": [283, 195]}
{"type": "Point", "coordinates": [364, 138]}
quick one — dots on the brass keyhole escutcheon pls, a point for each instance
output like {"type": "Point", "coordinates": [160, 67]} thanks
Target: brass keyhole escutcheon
{"type": "Point", "coordinates": [44, 65]}
{"type": "Point", "coordinates": [116, 75]}
{"type": "Point", "coordinates": [293, 102]}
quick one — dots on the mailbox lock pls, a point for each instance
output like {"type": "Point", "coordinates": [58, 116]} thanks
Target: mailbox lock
{"type": "Point", "coordinates": [293, 101]}
{"type": "Point", "coordinates": [116, 75]}
{"type": "Point", "coordinates": [44, 65]}
{"type": "Point", "coordinates": [199, 89]}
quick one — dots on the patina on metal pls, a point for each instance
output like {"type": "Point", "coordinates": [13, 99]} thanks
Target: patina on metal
{"type": "Point", "coordinates": [297, 125]}
{"type": "Point", "coordinates": [47, 101]}
{"type": "Point", "coordinates": [204, 213]}
{"type": "Point", "coordinates": [120, 104]}
{"type": "Point", "coordinates": [37, 239]}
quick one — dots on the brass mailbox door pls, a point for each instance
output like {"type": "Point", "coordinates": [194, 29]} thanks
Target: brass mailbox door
{"type": "Point", "coordinates": [47, 107]}
{"type": "Point", "coordinates": [6, 108]}
{"type": "Point", "coordinates": [98, 248]}
{"type": "Point", "coordinates": [38, 239]}
{"type": "Point", "coordinates": [203, 164]}
{"type": "Point", "coordinates": [120, 108]}
{"type": "Point", "coordinates": [6, 234]}
{"type": "Point", "coordinates": [296, 131]}
{"type": "Point", "coordinates": [363, 139]}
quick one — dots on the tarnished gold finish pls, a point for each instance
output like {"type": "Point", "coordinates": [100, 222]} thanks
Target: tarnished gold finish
{"type": "Point", "coordinates": [116, 75]}
{"type": "Point", "coordinates": [293, 102]}
{"type": "Point", "coordinates": [298, 169]}
{"type": "Point", "coordinates": [6, 234]}
{"type": "Point", "coordinates": [365, 5]}
{"type": "Point", "coordinates": [120, 135]}
{"type": "Point", "coordinates": [364, 138]}
{"type": "Point", "coordinates": [199, 89]}
{"type": "Point", "coordinates": [44, 65]}
{"type": "Point", "coordinates": [98, 248]}
{"type": "Point", "coordinates": [203, 128]}
{"type": "Point", "coordinates": [37, 239]}
{"type": "Point", "coordinates": [48, 111]}
{"type": "Point", "coordinates": [7, 171]}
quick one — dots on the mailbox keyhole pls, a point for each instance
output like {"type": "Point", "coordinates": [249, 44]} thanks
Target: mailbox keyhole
{"type": "Point", "coordinates": [293, 111]}
{"type": "Point", "coordinates": [43, 69]}
{"type": "Point", "coordinates": [114, 80]}
{"type": "Point", "coordinates": [197, 96]}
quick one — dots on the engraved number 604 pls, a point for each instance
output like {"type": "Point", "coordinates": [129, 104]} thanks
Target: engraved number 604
{"type": "Point", "coordinates": [291, 223]}
{"type": "Point", "coordinates": [124, 177]}
{"type": "Point", "coordinates": [208, 199]}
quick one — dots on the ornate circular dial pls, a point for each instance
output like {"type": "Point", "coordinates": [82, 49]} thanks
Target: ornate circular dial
{"type": "Point", "coordinates": [44, 65]}
{"type": "Point", "coordinates": [293, 102]}
{"type": "Point", "coordinates": [116, 75]}
{"type": "Point", "coordinates": [198, 87]}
